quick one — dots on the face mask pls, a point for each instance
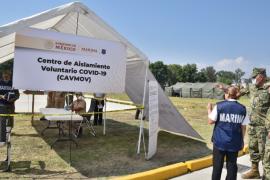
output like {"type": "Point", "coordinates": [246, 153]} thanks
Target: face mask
{"type": "Point", "coordinates": [254, 81]}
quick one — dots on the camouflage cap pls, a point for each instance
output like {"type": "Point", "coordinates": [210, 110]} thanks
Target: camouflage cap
{"type": "Point", "coordinates": [257, 71]}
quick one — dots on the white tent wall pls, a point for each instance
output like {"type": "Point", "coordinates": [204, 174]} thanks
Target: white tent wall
{"type": "Point", "coordinates": [169, 118]}
{"type": "Point", "coordinates": [75, 17]}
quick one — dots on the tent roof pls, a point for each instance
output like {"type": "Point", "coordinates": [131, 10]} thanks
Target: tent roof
{"type": "Point", "coordinates": [65, 19]}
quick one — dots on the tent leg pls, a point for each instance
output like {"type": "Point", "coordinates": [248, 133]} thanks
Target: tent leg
{"type": "Point", "coordinates": [33, 109]}
{"type": "Point", "coordinates": [140, 136]}
{"type": "Point", "coordinates": [141, 133]}
{"type": "Point", "coordinates": [104, 121]}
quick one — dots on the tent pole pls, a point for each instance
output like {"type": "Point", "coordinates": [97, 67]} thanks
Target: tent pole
{"type": "Point", "coordinates": [33, 109]}
{"type": "Point", "coordinates": [104, 121]}
{"type": "Point", "coordinates": [141, 133]}
{"type": "Point", "coordinates": [77, 23]}
{"type": "Point", "coordinates": [70, 122]}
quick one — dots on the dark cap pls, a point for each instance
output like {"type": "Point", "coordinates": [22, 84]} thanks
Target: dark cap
{"type": "Point", "coordinates": [79, 94]}
{"type": "Point", "coordinates": [257, 71]}
{"type": "Point", "coordinates": [6, 72]}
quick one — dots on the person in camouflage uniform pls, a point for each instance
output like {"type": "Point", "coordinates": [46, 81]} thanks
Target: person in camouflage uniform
{"type": "Point", "coordinates": [260, 103]}
{"type": "Point", "coordinates": [266, 158]}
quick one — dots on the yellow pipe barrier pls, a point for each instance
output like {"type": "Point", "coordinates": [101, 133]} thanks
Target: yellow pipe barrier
{"type": "Point", "coordinates": [201, 163]}
{"type": "Point", "coordinates": [114, 101]}
{"type": "Point", "coordinates": [159, 173]}
{"type": "Point", "coordinates": [86, 113]}
{"type": "Point", "coordinates": [174, 170]}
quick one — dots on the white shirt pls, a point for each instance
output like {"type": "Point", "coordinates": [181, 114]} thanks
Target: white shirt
{"type": "Point", "coordinates": [214, 115]}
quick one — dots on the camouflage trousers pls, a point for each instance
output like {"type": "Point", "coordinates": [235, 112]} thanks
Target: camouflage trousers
{"type": "Point", "coordinates": [257, 137]}
{"type": "Point", "coordinates": [266, 160]}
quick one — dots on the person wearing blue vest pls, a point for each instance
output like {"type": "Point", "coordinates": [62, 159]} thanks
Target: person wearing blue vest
{"type": "Point", "coordinates": [230, 120]}
{"type": "Point", "coordinates": [8, 96]}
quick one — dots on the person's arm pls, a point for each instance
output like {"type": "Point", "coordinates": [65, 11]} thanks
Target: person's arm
{"type": "Point", "coordinates": [12, 96]}
{"type": "Point", "coordinates": [212, 113]}
{"type": "Point", "coordinates": [17, 94]}
{"type": "Point", "coordinates": [81, 105]}
{"type": "Point", "coordinates": [267, 120]}
{"type": "Point", "coordinates": [267, 123]}
{"type": "Point", "coordinates": [210, 121]}
{"type": "Point", "coordinates": [75, 106]}
{"type": "Point", "coordinates": [244, 127]}
{"type": "Point", "coordinates": [221, 87]}
{"type": "Point", "coordinates": [243, 91]}
{"type": "Point", "coordinates": [245, 122]}
{"type": "Point", "coordinates": [2, 97]}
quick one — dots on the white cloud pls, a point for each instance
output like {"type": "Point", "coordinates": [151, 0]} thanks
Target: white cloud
{"type": "Point", "coordinates": [232, 64]}
{"type": "Point", "coordinates": [240, 60]}
{"type": "Point", "coordinates": [201, 65]}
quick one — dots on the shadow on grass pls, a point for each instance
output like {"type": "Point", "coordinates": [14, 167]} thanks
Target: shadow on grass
{"type": "Point", "coordinates": [115, 153]}
{"type": "Point", "coordinates": [24, 168]}
{"type": "Point", "coordinates": [24, 135]}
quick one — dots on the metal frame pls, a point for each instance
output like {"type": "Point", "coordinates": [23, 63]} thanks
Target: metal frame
{"type": "Point", "coordinates": [89, 126]}
{"type": "Point", "coordinates": [8, 144]}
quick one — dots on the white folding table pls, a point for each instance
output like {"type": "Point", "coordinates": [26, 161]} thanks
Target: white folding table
{"type": "Point", "coordinates": [60, 115]}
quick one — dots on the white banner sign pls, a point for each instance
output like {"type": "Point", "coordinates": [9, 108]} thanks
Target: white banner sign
{"type": "Point", "coordinates": [153, 118]}
{"type": "Point", "coordinates": [53, 61]}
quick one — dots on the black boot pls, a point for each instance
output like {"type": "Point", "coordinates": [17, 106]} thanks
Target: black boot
{"type": "Point", "coordinates": [95, 122]}
{"type": "Point", "coordinates": [100, 122]}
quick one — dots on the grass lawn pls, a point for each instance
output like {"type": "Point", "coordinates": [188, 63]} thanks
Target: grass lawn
{"type": "Point", "coordinates": [107, 156]}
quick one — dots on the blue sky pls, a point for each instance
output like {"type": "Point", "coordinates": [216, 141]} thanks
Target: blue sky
{"type": "Point", "coordinates": [225, 34]}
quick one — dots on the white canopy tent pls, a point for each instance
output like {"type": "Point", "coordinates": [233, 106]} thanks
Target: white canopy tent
{"type": "Point", "coordinates": [77, 18]}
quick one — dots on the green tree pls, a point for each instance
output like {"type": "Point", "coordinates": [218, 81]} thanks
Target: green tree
{"type": "Point", "coordinates": [201, 77]}
{"type": "Point", "coordinates": [225, 77]}
{"type": "Point", "coordinates": [238, 75]}
{"type": "Point", "coordinates": [160, 71]}
{"type": "Point", "coordinates": [174, 73]}
{"type": "Point", "coordinates": [210, 74]}
{"type": "Point", "coordinates": [8, 65]}
{"type": "Point", "coordinates": [189, 73]}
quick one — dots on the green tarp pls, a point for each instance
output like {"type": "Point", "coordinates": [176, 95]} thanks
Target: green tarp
{"type": "Point", "coordinates": [195, 90]}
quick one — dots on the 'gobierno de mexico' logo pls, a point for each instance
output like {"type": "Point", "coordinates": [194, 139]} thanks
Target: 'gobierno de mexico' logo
{"type": "Point", "coordinates": [49, 44]}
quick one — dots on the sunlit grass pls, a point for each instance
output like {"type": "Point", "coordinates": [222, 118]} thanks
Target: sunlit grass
{"type": "Point", "coordinates": [105, 156]}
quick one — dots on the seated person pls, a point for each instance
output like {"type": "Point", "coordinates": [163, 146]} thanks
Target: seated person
{"type": "Point", "coordinates": [79, 106]}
